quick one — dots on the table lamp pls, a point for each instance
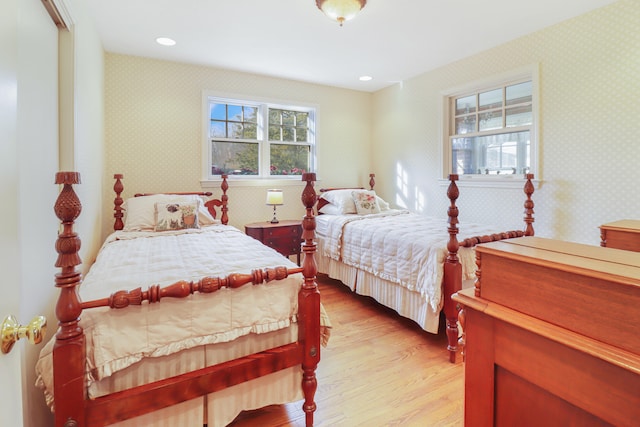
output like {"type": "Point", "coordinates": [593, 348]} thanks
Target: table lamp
{"type": "Point", "coordinates": [274, 198]}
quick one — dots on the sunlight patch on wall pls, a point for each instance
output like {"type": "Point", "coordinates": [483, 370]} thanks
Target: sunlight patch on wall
{"type": "Point", "coordinates": [404, 189]}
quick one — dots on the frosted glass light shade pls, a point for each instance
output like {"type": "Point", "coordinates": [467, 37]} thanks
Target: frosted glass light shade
{"type": "Point", "coordinates": [340, 10]}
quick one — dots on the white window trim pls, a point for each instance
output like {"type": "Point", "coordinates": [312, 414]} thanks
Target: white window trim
{"type": "Point", "coordinates": [206, 178]}
{"type": "Point", "coordinates": [507, 181]}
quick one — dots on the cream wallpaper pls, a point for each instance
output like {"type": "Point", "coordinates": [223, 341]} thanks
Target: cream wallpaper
{"type": "Point", "coordinates": [589, 128]}
{"type": "Point", "coordinates": [153, 131]}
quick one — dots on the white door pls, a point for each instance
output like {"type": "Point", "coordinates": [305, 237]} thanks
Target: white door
{"type": "Point", "coordinates": [28, 161]}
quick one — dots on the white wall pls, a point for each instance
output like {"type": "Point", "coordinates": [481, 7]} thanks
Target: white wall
{"type": "Point", "coordinates": [589, 127]}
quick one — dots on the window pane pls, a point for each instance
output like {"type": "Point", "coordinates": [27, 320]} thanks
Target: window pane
{"type": "Point", "coordinates": [466, 124]}
{"type": "Point", "coordinates": [288, 118]}
{"type": "Point", "coordinates": [288, 134]}
{"type": "Point", "coordinates": [274, 133]}
{"type": "Point", "coordinates": [519, 116]}
{"type": "Point", "coordinates": [250, 131]}
{"type": "Point", "coordinates": [492, 155]}
{"type": "Point", "coordinates": [289, 159]}
{"type": "Point", "coordinates": [490, 120]}
{"type": "Point", "coordinates": [219, 111]}
{"type": "Point", "coordinates": [274, 116]}
{"type": "Point", "coordinates": [302, 119]}
{"type": "Point", "coordinates": [301, 134]}
{"type": "Point", "coordinates": [234, 158]}
{"type": "Point", "coordinates": [234, 112]}
{"type": "Point", "coordinates": [217, 129]}
{"type": "Point", "coordinates": [234, 130]}
{"type": "Point", "coordinates": [466, 105]}
{"type": "Point", "coordinates": [251, 114]}
{"type": "Point", "coordinates": [491, 99]}
{"type": "Point", "coordinates": [518, 94]}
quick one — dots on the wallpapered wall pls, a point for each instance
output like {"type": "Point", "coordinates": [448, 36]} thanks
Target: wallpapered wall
{"type": "Point", "coordinates": [589, 128]}
{"type": "Point", "coordinates": [153, 131]}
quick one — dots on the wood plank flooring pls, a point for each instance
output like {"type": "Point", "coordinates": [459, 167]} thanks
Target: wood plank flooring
{"type": "Point", "coordinates": [379, 369]}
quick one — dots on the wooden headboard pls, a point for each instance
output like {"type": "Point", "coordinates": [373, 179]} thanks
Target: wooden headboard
{"type": "Point", "coordinates": [211, 204]}
{"type": "Point", "coordinates": [321, 202]}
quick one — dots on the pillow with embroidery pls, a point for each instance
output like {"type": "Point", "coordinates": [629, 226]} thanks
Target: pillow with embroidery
{"type": "Point", "coordinates": [176, 216]}
{"type": "Point", "coordinates": [366, 202]}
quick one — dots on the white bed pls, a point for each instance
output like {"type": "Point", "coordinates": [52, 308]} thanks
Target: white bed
{"type": "Point", "coordinates": [150, 342]}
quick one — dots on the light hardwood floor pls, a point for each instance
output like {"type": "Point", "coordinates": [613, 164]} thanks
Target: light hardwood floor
{"type": "Point", "coordinates": [379, 369]}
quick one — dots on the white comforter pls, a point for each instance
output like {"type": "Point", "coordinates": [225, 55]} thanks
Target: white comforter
{"type": "Point", "coordinates": [119, 338]}
{"type": "Point", "coordinates": [399, 246]}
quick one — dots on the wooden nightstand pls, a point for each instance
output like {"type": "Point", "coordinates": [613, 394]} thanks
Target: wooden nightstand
{"type": "Point", "coordinates": [284, 236]}
{"type": "Point", "coordinates": [624, 234]}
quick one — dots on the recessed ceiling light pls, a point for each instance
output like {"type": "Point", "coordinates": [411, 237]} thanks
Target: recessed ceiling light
{"type": "Point", "coordinates": [365, 78]}
{"type": "Point", "coordinates": [165, 41]}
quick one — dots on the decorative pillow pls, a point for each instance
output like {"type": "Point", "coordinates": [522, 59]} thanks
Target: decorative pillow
{"type": "Point", "coordinates": [365, 202]}
{"type": "Point", "coordinates": [176, 216]}
{"type": "Point", "coordinates": [140, 211]}
{"type": "Point", "coordinates": [341, 199]}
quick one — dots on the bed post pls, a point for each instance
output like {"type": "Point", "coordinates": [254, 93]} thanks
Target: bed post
{"type": "Point", "coordinates": [309, 302]}
{"type": "Point", "coordinates": [224, 186]}
{"type": "Point", "coordinates": [452, 281]}
{"type": "Point", "coordinates": [528, 206]}
{"type": "Point", "coordinates": [372, 180]}
{"type": "Point", "coordinates": [117, 203]}
{"type": "Point", "coordinates": [68, 351]}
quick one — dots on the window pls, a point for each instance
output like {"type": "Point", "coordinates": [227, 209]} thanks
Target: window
{"type": "Point", "coordinates": [490, 129]}
{"type": "Point", "coordinates": [258, 139]}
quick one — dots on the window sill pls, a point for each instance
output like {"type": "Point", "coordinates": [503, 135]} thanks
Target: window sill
{"type": "Point", "coordinates": [479, 181]}
{"type": "Point", "coordinates": [256, 182]}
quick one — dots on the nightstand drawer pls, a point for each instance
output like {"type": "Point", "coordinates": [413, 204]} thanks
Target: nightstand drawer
{"type": "Point", "coordinates": [282, 232]}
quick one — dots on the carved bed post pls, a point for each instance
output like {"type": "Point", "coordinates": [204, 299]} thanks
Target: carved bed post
{"type": "Point", "coordinates": [68, 351]}
{"type": "Point", "coordinates": [372, 180]}
{"type": "Point", "coordinates": [117, 203]}
{"type": "Point", "coordinates": [309, 302]}
{"type": "Point", "coordinates": [452, 281]}
{"type": "Point", "coordinates": [224, 218]}
{"type": "Point", "coordinates": [528, 206]}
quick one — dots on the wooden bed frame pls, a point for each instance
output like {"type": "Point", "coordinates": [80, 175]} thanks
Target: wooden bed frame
{"type": "Point", "coordinates": [452, 281]}
{"type": "Point", "coordinates": [74, 409]}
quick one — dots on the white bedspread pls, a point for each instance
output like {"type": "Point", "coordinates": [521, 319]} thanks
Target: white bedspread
{"type": "Point", "coordinates": [399, 246]}
{"type": "Point", "coordinates": [120, 338]}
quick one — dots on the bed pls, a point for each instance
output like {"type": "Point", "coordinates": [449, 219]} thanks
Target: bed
{"type": "Point", "coordinates": [183, 323]}
{"type": "Point", "coordinates": [406, 261]}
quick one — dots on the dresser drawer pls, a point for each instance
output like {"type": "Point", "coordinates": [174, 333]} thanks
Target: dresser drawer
{"type": "Point", "coordinates": [283, 232]}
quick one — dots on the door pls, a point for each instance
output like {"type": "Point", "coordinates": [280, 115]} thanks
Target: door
{"type": "Point", "coordinates": [28, 162]}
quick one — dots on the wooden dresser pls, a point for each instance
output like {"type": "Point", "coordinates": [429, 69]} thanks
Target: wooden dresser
{"type": "Point", "coordinates": [623, 234]}
{"type": "Point", "coordinates": [551, 334]}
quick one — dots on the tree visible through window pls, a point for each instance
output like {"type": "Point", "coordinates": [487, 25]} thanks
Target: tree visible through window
{"type": "Point", "coordinates": [259, 139]}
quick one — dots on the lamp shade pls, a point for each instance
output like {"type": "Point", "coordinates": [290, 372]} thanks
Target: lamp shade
{"type": "Point", "coordinates": [275, 197]}
{"type": "Point", "coordinates": [340, 10]}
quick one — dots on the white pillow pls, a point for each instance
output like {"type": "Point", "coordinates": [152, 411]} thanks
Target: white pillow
{"type": "Point", "coordinates": [140, 211]}
{"type": "Point", "coordinates": [341, 199]}
{"type": "Point", "coordinates": [330, 209]}
{"type": "Point", "coordinates": [384, 206]}
{"type": "Point", "coordinates": [365, 202]}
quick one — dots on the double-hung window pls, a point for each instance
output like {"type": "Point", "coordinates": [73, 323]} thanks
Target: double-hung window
{"type": "Point", "coordinates": [258, 139]}
{"type": "Point", "coordinates": [491, 130]}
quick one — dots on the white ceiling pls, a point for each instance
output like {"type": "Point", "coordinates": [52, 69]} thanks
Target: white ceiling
{"type": "Point", "coordinates": [390, 40]}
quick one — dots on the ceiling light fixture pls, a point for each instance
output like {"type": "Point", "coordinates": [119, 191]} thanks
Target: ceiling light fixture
{"type": "Point", "coordinates": [165, 41]}
{"type": "Point", "coordinates": [365, 78]}
{"type": "Point", "coordinates": [340, 10]}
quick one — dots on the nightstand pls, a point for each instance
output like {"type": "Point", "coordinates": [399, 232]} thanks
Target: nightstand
{"type": "Point", "coordinates": [284, 236]}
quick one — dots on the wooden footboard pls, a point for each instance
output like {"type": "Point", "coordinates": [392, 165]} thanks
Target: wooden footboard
{"type": "Point", "coordinates": [72, 406]}
{"type": "Point", "coordinates": [452, 281]}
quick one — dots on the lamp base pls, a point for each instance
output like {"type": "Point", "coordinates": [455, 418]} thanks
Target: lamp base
{"type": "Point", "coordinates": [274, 220]}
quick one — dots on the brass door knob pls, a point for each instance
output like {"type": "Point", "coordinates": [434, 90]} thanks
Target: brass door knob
{"type": "Point", "coordinates": [12, 331]}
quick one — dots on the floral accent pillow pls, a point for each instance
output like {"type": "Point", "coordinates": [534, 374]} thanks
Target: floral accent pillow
{"type": "Point", "coordinates": [366, 202]}
{"type": "Point", "coordinates": [176, 216]}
